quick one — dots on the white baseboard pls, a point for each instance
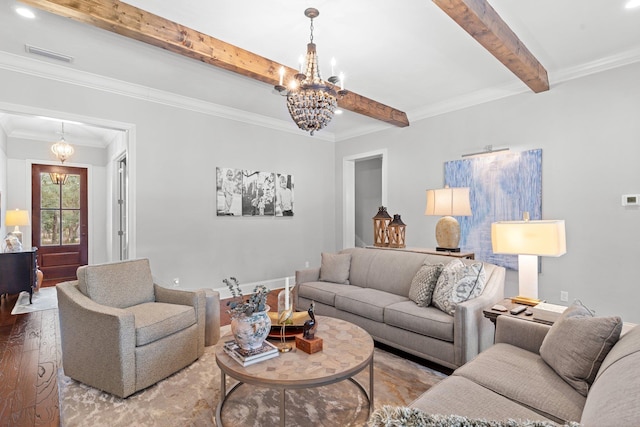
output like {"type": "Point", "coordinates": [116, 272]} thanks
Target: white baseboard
{"type": "Point", "coordinates": [247, 288]}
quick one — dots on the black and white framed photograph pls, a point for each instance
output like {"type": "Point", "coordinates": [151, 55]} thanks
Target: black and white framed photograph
{"type": "Point", "coordinates": [284, 195]}
{"type": "Point", "coordinates": [228, 191]}
{"type": "Point", "coordinates": [258, 193]}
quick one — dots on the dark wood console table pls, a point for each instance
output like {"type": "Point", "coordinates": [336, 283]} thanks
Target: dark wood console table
{"type": "Point", "coordinates": [18, 272]}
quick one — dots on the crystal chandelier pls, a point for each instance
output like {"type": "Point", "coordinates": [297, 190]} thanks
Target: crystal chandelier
{"type": "Point", "coordinates": [62, 151]}
{"type": "Point", "coordinates": [310, 100]}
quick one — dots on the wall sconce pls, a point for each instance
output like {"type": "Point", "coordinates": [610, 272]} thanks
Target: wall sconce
{"type": "Point", "coordinates": [528, 240]}
{"type": "Point", "coordinates": [380, 228]}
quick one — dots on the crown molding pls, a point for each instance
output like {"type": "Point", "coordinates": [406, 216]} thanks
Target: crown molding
{"type": "Point", "coordinates": [503, 91]}
{"type": "Point", "coordinates": [69, 75]}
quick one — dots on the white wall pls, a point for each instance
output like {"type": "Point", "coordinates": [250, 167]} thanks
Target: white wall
{"type": "Point", "coordinates": [589, 132]}
{"type": "Point", "coordinates": [3, 182]}
{"type": "Point", "coordinates": [176, 154]}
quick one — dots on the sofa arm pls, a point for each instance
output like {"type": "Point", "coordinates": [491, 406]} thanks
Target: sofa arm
{"type": "Point", "coordinates": [521, 333]}
{"type": "Point", "coordinates": [307, 275]}
{"type": "Point", "coordinates": [195, 298]}
{"type": "Point", "coordinates": [98, 342]}
{"type": "Point", "coordinates": [472, 332]}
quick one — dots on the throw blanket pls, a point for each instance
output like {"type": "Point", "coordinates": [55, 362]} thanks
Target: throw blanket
{"type": "Point", "coordinates": [399, 416]}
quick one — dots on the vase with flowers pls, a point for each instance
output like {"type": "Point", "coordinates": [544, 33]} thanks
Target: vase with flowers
{"type": "Point", "coordinates": [250, 322]}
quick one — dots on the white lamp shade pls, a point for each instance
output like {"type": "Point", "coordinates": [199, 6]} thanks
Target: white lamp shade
{"type": "Point", "coordinates": [546, 238]}
{"type": "Point", "coordinates": [448, 201]}
{"type": "Point", "coordinates": [16, 218]}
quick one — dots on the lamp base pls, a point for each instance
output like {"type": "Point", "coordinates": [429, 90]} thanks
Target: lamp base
{"type": "Point", "coordinates": [525, 300]}
{"type": "Point", "coordinates": [439, 249]}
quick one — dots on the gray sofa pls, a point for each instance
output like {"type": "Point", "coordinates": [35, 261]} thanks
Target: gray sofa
{"type": "Point", "coordinates": [512, 381]}
{"type": "Point", "coordinates": [376, 298]}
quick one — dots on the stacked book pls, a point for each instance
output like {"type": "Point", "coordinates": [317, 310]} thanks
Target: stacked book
{"type": "Point", "coordinates": [249, 357]}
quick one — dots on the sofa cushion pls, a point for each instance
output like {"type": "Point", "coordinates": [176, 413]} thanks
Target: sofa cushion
{"type": "Point", "coordinates": [423, 284]}
{"type": "Point", "coordinates": [323, 292]}
{"type": "Point", "coordinates": [577, 343]}
{"type": "Point", "coordinates": [369, 303]}
{"type": "Point", "coordinates": [525, 378]}
{"type": "Point", "coordinates": [119, 284]}
{"type": "Point", "coordinates": [614, 393]}
{"type": "Point", "coordinates": [384, 269]}
{"type": "Point", "coordinates": [335, 268]}
{"type": "Point", "coordinates": [461, 396]}
{"type": "Point", "coordinates": [156, 320]}
{"type": "Point", "coordinates": [458, 283]}
{"type": "Point", "coordinates": [427, 321]}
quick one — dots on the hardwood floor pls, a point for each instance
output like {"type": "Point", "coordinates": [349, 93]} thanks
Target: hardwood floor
{"type": "Point", "coordinates": [30, 356]}
{"type": "Point", "coordinates": [29, 360]}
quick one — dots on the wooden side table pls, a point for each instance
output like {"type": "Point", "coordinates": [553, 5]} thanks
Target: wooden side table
{"type": "Point", "coordinates": [493, 314]}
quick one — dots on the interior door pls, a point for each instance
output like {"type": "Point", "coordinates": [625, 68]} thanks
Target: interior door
{"type": "Point", "coordinates": [59, 219]}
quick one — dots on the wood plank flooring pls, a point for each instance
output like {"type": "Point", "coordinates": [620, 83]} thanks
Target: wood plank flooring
{"type": "Point", "coordinates": [29, 359]}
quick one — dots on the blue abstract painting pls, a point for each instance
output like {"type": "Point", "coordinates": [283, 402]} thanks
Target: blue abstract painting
{"type": "Point", "coordinates": [502, 187]}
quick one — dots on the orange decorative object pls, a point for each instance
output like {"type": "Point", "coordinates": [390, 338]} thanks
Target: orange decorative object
{"type": "Point", "coordinates": [309, 346]}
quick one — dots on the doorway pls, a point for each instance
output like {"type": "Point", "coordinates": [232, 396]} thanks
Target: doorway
{"type": "Point", "coordinates": [349, 218]}
{"type": "Point", "coordinates": [59, 219]}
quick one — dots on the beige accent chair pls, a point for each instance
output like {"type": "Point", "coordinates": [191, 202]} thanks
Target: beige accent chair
{"type": "Point", "coordinates": [121, 332]}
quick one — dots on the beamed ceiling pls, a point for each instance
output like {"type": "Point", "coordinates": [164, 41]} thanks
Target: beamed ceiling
{"type": "Point", "coordinates": [403, 61]}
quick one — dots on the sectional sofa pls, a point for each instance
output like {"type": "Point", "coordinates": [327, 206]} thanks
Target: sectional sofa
{"type": "Point", "coordinates": [575, 373]}
{"type": "Point", "coordinates": [371, 289]}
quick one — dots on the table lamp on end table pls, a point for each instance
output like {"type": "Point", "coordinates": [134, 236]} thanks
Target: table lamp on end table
{"type": "Point", "coordinates": [528, 239]}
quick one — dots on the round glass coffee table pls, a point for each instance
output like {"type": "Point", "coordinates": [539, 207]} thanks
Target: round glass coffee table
{"type": "Point", "coordinates": [347, 350]}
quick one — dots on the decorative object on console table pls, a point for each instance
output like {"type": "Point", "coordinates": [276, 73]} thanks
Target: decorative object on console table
{"type": "Point", "coordinates": [528, 239]}
{"type": "Point", "coordinates": [397, 232]}
{"type": "Point", "coordinates": [16, 218]}
{"type": "Point", "coordinates": [308, 342]}
{"type": "Point", "coordinates": [448, 202]}
{"type": "Point", "coordinates": [380, 228]}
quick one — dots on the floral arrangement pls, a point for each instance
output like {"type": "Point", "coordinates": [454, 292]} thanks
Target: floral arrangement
{"type": "Point", "coordinates": [256, 302]}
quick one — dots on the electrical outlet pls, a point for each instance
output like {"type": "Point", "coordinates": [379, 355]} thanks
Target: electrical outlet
{"type": "Point", "coordinates": [306, 264]}
{"type": "Point", "coordinates": [564, 296]}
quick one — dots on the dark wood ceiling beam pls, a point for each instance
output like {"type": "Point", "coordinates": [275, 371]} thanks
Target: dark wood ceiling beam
{"type": "Point", "coordinates": [129, 21]}
{"type": "Point", "coordinates": [483, 23]}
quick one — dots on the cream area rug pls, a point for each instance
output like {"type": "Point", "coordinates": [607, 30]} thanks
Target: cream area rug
{"type": "Point", "coordinates": [190, 397]}
{"type": "Point", "coordinates": [45, 299]}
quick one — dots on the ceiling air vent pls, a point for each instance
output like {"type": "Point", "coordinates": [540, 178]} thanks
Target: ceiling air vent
{"type": "Point", "coordinates": [48, 53]}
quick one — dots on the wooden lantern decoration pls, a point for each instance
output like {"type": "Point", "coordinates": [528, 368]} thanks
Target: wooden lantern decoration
{"type": "Point", "coordinates": [396, 232]}
{"type": "Point", "coordinates": [380, 225]}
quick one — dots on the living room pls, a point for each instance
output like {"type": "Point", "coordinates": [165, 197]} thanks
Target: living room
{"type": "Point", "coordinates": [586, 126]}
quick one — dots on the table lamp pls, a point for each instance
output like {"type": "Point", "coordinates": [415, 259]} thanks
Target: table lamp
{"type": "Point", "coordinates": [528, 240]}
{"type": "Point", "coordinates": [448, 202]}
{"type": "Point", "coordinates": [17, 218]}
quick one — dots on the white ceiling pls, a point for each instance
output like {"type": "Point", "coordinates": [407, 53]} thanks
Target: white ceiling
{"type": "Point", "coordinates": [409, 54]}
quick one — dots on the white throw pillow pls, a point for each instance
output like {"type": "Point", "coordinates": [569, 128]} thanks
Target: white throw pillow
{"type": "Point", "coordinates": [458, 283]}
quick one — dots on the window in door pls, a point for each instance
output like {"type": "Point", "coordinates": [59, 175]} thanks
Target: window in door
{"type": "Point", "coordinates": [60, 215]}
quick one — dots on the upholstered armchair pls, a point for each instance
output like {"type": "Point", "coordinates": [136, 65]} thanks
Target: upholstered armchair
{"type": "Point", "coordinates": [121, 333]}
